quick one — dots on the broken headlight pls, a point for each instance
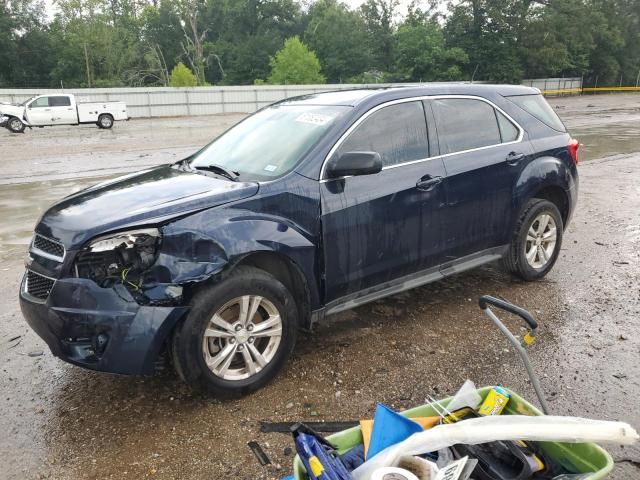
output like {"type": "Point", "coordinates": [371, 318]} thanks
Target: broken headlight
{"type": "Point", "coordinates": [119, 258]}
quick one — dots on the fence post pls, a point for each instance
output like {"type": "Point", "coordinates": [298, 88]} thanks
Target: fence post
{"type": "Point", "coordinates": [224, 107]}
{"type": "Point", "coordinates": [149, 103]}
{"type": "Point", "coordinates": [186, 99]}
{"type": "Point", "coordinates": [255, 96]}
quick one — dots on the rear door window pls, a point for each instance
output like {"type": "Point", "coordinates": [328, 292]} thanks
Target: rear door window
{"type": "Point", "coordinates": [465, 124]}
{"type": "Point", "coordinates": [397, 132]}
{"type": "Point", "coordinates": [537, 106]}
{"type": "Point", "coordinates": [59, 102]}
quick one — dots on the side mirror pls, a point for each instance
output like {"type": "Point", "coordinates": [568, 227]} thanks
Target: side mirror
{"type": "Point", "coordinates": [354, 163]}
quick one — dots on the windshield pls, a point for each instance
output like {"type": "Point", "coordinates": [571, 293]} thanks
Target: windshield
{"type": "Point", "coordinates": [269, 143]}
{"type": "Point", "coordinates": [26, 101]}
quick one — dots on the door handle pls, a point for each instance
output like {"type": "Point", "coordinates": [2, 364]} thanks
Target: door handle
{"type": "Point", "coordinates": [513, 158]}
{"type": "Point", "coordinates": [428, 183]}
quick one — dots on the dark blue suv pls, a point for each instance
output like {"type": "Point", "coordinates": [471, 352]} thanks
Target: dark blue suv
{"type": "Point", "coordinates": [311, 206]}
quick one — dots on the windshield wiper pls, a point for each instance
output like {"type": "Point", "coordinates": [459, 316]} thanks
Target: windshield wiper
{"type": "Point", "coordinates": [220, 170]}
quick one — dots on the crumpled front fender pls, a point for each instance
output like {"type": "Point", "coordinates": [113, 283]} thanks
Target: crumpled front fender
{"type": "Point", "coordinates": [13, 111]}
{"type": "Point", "coordinates": [200, 246]}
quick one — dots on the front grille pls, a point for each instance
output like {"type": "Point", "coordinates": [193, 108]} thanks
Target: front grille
{"type": "Point", "coordinates": [38, 286]}
{"type": "Point", "coordinates": [51, 248]}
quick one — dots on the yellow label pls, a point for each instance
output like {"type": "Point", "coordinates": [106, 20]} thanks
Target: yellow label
{"type": "Point", "coordinates": [316, 466]}
{"type": "Point", "coordinates": [493, 404]}
{"type": "Point", "coordinates": [528, 338]}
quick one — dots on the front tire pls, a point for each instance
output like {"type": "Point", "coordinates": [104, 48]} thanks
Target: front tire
{"type": "Point", "coordinates": [105, 121]}
{"type": "Point", "coordinates": [238, 334]}
{"type": "Point", "coordinates": [536, 240]}
{"type": "Point", "coordinates": [15, 125]}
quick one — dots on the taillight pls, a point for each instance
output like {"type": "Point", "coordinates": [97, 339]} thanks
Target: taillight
{"type": "Point", "coordinates": [574, 145]}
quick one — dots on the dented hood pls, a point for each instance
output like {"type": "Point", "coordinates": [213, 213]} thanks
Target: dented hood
{"type": "Point", "coordinates": [143, 198]}
{"type": "Point", "coordinates": [11, 110]}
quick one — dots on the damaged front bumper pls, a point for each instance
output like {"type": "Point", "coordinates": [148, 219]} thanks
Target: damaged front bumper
{"type": "Point", "coordinates": [3, 120]}
{"type": "Point", "coordinates": [102, 329]}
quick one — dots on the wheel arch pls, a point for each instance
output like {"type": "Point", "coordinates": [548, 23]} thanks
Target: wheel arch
{"type": "Point", "coordinates": [289, 274]}
{"type": "Point", "coordinates": [556, 195]}
{"type": "Point", "coordinates": [548, 178]}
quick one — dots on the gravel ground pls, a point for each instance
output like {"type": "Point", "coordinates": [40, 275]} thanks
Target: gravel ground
{"type": "Point", "coordinates": [63, 422]}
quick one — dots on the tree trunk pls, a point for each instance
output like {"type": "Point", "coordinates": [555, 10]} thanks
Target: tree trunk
{"type": "Point", "coordinates": [86, 60]}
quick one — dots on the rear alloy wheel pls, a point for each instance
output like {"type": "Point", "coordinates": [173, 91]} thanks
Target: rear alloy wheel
{"type": "Point", "coordinates": [536, 241]}
{"type": "Point", "coordinates": [540, 243]}
{"type": "Point", "coordinates": [105, 121]}
{"type": "Point", "coordinates": [238, 335]}
{"type": "Point", "coordinates": [16, 125]}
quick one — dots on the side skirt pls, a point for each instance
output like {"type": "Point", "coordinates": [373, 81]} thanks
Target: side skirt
{"type": "Point", "coordinates": [409, 282]}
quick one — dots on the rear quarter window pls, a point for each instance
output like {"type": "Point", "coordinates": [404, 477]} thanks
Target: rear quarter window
{"type": "Point", "coordinates": [537, 106]}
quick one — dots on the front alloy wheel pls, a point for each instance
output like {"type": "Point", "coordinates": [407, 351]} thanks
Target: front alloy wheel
{"type": "Point", "coordinates": [238, 334]}
{"type": "Point", "coordinates": [15, 125]}
{"type": "Point", "coordinates": [242, 338]}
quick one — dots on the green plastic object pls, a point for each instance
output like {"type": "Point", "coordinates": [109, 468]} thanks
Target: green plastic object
{"type": "Point", "coordinates": [578, 457]}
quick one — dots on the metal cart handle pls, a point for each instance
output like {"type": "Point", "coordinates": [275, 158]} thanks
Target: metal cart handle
{"type": "Point", "coordinates": [487, 300]}
{"type": "Point", "coordinates": [509, 307]}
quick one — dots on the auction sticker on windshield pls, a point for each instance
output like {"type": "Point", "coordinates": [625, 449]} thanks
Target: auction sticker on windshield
{"type": "Point", "coordinates": [314, 118]}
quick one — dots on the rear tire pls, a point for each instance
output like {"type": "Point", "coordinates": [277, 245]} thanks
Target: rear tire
{"type": "Point", "coordinates": [15, 125]}
{"type": "Point", "coordinates": [536, 240]}
{"type": "Point", "coordinates": [237, 354]}
{"type": "Point", "coordinates": [105, 121]}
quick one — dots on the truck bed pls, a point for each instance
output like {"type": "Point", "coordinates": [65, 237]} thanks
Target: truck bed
{"type": "Point", "coordinates": [88, 112]}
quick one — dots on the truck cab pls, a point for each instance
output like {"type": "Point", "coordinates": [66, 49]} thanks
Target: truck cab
{"type": "Point", "coordinates": [51, 110]}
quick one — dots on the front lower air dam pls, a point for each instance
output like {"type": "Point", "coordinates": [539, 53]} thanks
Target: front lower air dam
{"type": "Point", "coordinates": [99, 328]}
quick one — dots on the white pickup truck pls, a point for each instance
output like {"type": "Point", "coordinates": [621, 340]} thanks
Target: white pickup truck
{"type": "Point", "coordinates": [60, 109]}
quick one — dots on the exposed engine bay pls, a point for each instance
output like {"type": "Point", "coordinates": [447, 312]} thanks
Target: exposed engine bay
{"type": "Point", "coordinates": [119, 259]}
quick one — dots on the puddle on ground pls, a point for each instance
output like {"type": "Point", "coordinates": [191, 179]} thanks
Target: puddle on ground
{"type": "Point", "coordinates": [21, 205]}
{"type": "Point", "coordinates": [603, 141]}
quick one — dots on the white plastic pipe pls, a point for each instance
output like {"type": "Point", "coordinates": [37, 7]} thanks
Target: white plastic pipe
{"type": "Point", "coordinates": [507, 427]}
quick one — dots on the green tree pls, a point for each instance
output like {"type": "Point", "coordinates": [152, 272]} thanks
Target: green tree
{"type": "Point", "coordinates": [339, 38]}
{"type": "Point", "coordinates": [488, 31]}
{"type": "Point", "coordinates": [246, 33]}
{"type": "Point", "coordinates": [422, 54]}
{"type": "Point", "coordinates": [295, 64]}
{"type": "Point", "coordinates": [181, 76]}
{"type": "Point", "coordinates": [379, 18]}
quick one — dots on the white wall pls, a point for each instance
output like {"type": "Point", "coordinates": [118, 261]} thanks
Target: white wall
{"type": "Point", "coordinates": [167, 101]}
{"type": "Point", "coordinates": [170, 102]}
